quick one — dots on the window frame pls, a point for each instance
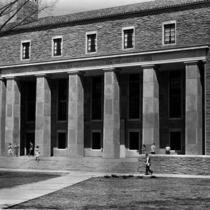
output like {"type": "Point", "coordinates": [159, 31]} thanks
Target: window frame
{"type": "Point", "coordinates": [102, 92]}
{"type": "Point", "coordinates": [133, 131]}
{"type": "Point", "coordinates": [101, 140]}
{"type": "Point", "coordinates": [86, 42]}
{"type": "Point", "coordinates": [175, 130]}
{"type": "Point", "coordinates": [57, 99]}
{"type": "Point", "coordinates": [21, 51]}
{"type": "Point", "coordinates": [128, 95]}
{"type": "Point", "coordinates": [53, 45]}
{"type": "Point", "coordinates": [163, 32]}
{"type": "Point", "coordinates": [169, 95]}
{"type": "Point", "coordinates": [58, 132]}
{"type": "Point", "coordinates": [123, 37]}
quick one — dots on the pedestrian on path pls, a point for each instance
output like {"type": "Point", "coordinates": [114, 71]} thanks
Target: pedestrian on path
{"type": "Point", "coordinates": [168, 149]}
{"type": "Point", "coordinates": [153, 147]}
{"type": "Point", "coordinates": [148, 164]}
{"type": "Point", "coordinates": [30, 148]}
{"type": "Point", "coordinates": [9, 153]}
{"type": "Point", "coordinates": [16, 147]}
{"type": "Point", "coordinates": [37, 152]}
{"type": "Point", "coordinates": [144, 149]}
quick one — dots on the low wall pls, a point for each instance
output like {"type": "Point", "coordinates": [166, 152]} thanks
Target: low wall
{"type": "Point", "coordinates": [176, 164]}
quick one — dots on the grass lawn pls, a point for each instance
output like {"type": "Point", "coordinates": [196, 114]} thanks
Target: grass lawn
{"type": "Point", "coordinates": [12, 179]}
{"type": "Point", "coordinates": [131, 193]}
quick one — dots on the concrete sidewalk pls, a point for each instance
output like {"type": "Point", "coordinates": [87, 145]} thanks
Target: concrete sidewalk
{"type": "Point", "coordinates": [23, 193]}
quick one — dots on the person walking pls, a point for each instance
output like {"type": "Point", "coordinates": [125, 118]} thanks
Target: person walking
{"type": "Point", "coordinates": [16, 147]}
{"type": "Point", "coordinates": [148, 164]}
{"type": "Point", "coordinates": [31, 147]}
{"type": "Point", "coordinates": [168, 149]}
{"type": "Point", "coordinates": [9, 152]}
{"type": "Point", "coordinates": [153, 147]}
{"type": "Point", "coordinates": [144, 149]}
{"type": "Point", "coordinates": [37, 152]}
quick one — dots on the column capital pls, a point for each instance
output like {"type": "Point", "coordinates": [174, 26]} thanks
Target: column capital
{"type": "Point", "coordinates": [117, 70]}
{"type": "Point", "coordinates": [10, 78]}
{"type": "Point", "coordinates": [43, 75]}
{"type": "Point", "coordinates": [195, 62]}
{"type": "Point", "coordinates": [75, 72]}
{"type": "Point", "coordinates": [2, 78]}
{"type": "Point", "coordinates": [150, 66]}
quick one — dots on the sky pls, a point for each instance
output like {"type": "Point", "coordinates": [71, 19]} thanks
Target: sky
{"type": "Point", "coordinates": [72, 6]}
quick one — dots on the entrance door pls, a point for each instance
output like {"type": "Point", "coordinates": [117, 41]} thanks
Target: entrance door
{"type": "Point", "coordinates": [30, 137]}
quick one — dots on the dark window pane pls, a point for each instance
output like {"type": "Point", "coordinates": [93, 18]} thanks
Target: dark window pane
{"type": "Point", "coordinates": [91, 42]}
{"type": "Point", "coordinates": [175, 98]}
{"type": "Point", "coordinates": [128, 38]}
{"type": "Point", "coordinates": [57, 47]}
{"type": "Point", "coordinates": [96, 140]}
{"type": "Point", "coordinates": [97, 98]}
{"type": "Point", "coordinates": [31, 101]}
{"type": "Point", "coordinates": [62, 100]}
{"type": "Point", "coordinates": [61, 140]}
{"type": "Point", "coordinates": [26, 50]}
{"type": "Point", "coordinates": [134, 140]}
{"type": "Point", "coordinates": [175, 140]}
{"type": "Point", "coordinates": [134, 91]}
{"type": "Point", "coordinates": [169, 34]}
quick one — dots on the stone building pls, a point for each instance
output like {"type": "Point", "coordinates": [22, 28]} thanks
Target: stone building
{"type": "Point", "coordinates": [102, 83]}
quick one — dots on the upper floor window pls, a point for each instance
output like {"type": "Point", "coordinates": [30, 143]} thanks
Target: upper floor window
{"type": "Point", "coordinates": [57, 46]}
{"type": "Point", "coordinates": [91, 41]}
{"type": "Point", "coordinates": [128, 38]}
{"type": "Point", "coordinates": [25, 50]}
{"type": "Point", "coordinates": [169, 33]}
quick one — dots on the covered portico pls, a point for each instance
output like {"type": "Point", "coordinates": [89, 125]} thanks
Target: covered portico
{"type": "Point", "coordinates": [109, 131]}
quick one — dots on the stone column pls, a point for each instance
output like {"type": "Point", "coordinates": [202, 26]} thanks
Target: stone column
{"type": "Point", "coordinates": [2, 116]}
{"type": "Point", "coordinates": [76, 115]}
{"type": "Point", "coordinates": [150, 107]}
{"type": "Point", "coordinates": [12, 128]}
{"type": "Point", "coordinates": [111, 130]}
{"type": "Point", "coordinates": [43, 115]}
{"type": "Point", "coordinates": [193, 120]}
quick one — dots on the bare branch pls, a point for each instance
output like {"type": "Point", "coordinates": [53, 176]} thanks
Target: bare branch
{"type": "Point", "coordinates": [10, 9]}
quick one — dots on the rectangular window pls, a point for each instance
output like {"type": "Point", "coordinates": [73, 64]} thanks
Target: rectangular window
{"type": "Point", "coordinates": [61, 140]}
{"type": "Point", "coordinates": [175, 140]}
{"type": "Point", "coordinates": [133, 140]}
{"type": "Point", "coordinates": [31, 101]}
{"type": "Point", "coordinates": [97, 98]}
{"type": "Point", "coordinates": [96, 140]}
{"type": "Point", "coordinates": [169, 33]}
{"type": "Point", "coordinates": [134, 96]}
{"type": "Point", "coordinates": [26, 50]}
{"type": "Point", "coordinates": [91, 43]}
{"type": "Point", "coordinates": [175, 94]}
{"type": "Point", "coordinates": [57, 46]}
{"type": "Point", "coordinates": [62, 100]}
{"type": "Point", "coordinates": [128, 38]}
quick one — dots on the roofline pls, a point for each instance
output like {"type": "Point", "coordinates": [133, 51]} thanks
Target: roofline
{"type": "Point", "coordinates": [201, 2]}
{"type": "Point", "coordinates": [106, 57]}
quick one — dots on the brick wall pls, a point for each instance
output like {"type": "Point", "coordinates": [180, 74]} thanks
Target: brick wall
{"type": "Point", "coordinates": [148, 35]}
{"type": "Point", "coordinates": [179, 164]}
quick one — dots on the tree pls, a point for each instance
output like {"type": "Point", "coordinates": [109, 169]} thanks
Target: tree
{"type": "Point", "coordinates": [10, 9]}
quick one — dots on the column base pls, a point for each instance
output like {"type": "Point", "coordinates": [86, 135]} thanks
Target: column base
{"type": "Point", "coordinates": [75, 150]}
{"type": "Point", "coordinates": [111, 151]}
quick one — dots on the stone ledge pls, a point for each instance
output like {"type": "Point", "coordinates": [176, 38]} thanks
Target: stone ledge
{"type": "Point", "coordinates": [177, 164]}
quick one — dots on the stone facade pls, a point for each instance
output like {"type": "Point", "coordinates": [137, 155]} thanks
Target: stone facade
{"type": "Point", "coordinates": [176, 164]}
{"type": "Point", "coordinates": [131, 80]}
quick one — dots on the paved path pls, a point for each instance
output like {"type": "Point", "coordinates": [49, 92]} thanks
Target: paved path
{"type": "Point", "coordinates": [23, 193]}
